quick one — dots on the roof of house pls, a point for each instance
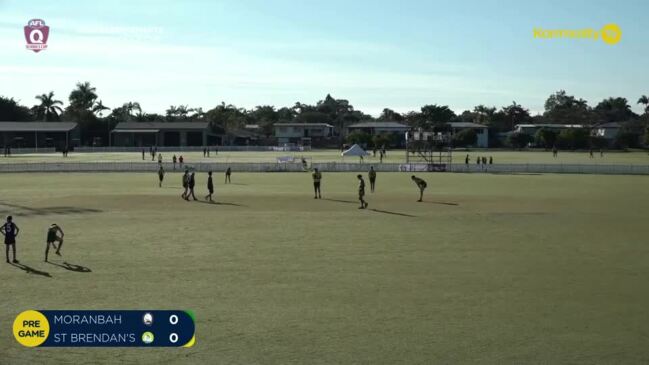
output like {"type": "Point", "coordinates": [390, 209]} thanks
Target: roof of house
{"type": "Point", "coordinates": [609, 125]}
{"type": "Point", "coordinates": [379, 125]}
{"type": "Point", "coordinates": [315, 125]}
{"type": "Point", "coordinates": [124, 126]}
{"type": "Point", "coordinates": [37, 126]}
{"type": "Point", "coordinates": [548, 125]}
{"type": "Point", "coordinates": [466, 125]}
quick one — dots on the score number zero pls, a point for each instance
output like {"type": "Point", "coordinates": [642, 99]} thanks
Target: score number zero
{"type": "Point", "coordinates": [173, 319]}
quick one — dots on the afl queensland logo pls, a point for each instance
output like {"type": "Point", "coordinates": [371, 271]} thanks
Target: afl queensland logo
{"type": "Point", "coordinates": [36, 33]}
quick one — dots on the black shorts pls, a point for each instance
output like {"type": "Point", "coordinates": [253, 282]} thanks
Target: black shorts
{"type": "Point", "coordinates": [316, 184]}
{"type": "Point", "coordinates": [10, 240]}
{"type": "Point", "coordinates": [211, 190]}
{"type": "Point", "coordinates": [373, 180]}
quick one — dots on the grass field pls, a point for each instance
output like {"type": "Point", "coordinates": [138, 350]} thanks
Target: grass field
{"type": "Point", "coordinates": [489, 269]}
{"type": "Point", "coordinates": [396, 156]}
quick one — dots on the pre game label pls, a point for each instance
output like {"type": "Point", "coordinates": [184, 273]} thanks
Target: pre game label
{"type": "Point", "coordinates": [105, 328]}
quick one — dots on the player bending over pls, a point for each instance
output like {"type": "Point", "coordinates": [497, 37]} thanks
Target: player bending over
{"type": "Point", "coordinates": [421, 184]}
{"type": "Point", "coordinates": [54, 234]}
{"type": "Point", "coordinates": [10, 231]}
{"type": "Point", "coordinates": [361, 192]}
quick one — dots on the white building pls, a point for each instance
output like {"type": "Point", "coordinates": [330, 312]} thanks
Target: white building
{"type": "Point", "coordinates": [482, 132]}
{"type": "Point", "coordinates": [301, 133]}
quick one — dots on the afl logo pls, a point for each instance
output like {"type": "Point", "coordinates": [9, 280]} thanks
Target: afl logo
{"type": "Point", "coordinates": [36, 33]}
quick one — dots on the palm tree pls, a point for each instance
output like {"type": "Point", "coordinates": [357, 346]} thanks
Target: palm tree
{"type": "Point", "coordinates": [49, 106]}
{"type": "Point", "coordinates": [99, 107]}
{"type": "Point", "coordinates": [83, 97]}
{"type": "Point", "coordinates": [130, 107]}
{"type": "Point", "coordinates": [644, 100]}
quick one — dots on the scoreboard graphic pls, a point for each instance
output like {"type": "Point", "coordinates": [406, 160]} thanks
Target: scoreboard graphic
{"type": "Point", "coordinates": [105, 328]}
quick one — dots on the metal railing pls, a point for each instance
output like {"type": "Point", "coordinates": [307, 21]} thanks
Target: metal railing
{"type": "Point", "coordinates": [327, 166]}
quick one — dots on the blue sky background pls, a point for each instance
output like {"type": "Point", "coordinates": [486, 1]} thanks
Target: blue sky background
{"type": "Point", "coordinates": [396, 54]}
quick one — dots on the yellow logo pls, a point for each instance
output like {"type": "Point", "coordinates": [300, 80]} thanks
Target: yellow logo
{"type": "Point", "coordinates": [609, 33]}
{"type": "Point", "coordinates": [31, 328]}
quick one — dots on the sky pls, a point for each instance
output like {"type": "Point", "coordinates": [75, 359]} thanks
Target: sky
{"type": "Point", "coordinates": [376, 54]}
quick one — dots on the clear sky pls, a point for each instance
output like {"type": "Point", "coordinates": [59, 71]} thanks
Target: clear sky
{"type": "Point", "coordinates": [396, 54]}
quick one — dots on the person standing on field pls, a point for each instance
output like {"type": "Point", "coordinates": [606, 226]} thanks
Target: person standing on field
{"type": "Point", "coordinates": [372, 176]}
{"type": "Point", "coordinates": [192, 183]}
{"type": "Point", "coordinates": [317, 178]}
{"type": "Point", "coordinates": [10, 231]}
{"type": "Point", "coordinates": [185, 185]}
{"type": "Point", "coordinates": [228, 173]}
{"type": "Point", "coordinates": [361, 192]}
{"type": "Point", "coordinates": [210, 187]}
{"type": "Point", "coordinates": [161, 175]}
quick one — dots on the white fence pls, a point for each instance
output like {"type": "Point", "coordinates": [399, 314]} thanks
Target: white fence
{"type": "Point", "coordinates": [328, 167]}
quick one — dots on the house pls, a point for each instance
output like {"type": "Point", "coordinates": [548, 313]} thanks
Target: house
{"type": "Point", "coordinates": [301, 133]}
{"type": "Point", "coordinates": [376, 128]}
{"type": "Point", "coordinates": [174, 134]}
{"type": "Point", "coordinates": [608, 131]}
{"type": "Point", "coordinates": [531, 129]}
{"type": "Point", "coordinates": [39, 134]}
{"type": "Point", "coordinates": [482, 132]}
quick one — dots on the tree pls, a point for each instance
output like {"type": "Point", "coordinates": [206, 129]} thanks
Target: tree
{"type": "Point", "coordinates": [483, 114]}
{"type": "Point", "coordinates": [83, 97]}
{"type": "Point", "coordinates": [390, 115]}
{"type": "Point", "coordinates": [99, 108]}
{"type": "Point", "coordinates": [10, 110]}
{"type": "Point", "coordinates": [436, 116]}
{"type": "Point", "coordinates": [360, 138]}
{"type": "Point", "coordinates": [465, 137]}
{"type": "Point", "coordinates": [561, 108]}
{"type": "Point", "coordinates": [546, 138]}
{"type": "Point", "coordinates": [614, 110]}
{"type": "Point", "coordinates": [49, 108]}
{"type": "Point", "coordinates": [519, 140]}
{"type": "Point", "coordinates": [574, 138]}
{"type": "Point", "coordinates": [645, 101]}
{"type": "Point", "coordinates": [515, 114]}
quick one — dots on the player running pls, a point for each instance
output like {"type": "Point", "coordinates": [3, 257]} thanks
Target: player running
{"type": "Point", "coordinates": [361, 192]}
{"type": "Point", "coordinates": [161, 175]}
{"type": "Point", "coordinates": [54, 234]}
{"type": "Point", "coordinates": [210, 187]}
{"type": "Point", "coordinates": [10, 231]}
{"type": "Point", "coordinates": [421, 184]}
{"type": "Point", "coordinates": [372, 177]}
{"type": "Point", "coordinates": [317, 177]}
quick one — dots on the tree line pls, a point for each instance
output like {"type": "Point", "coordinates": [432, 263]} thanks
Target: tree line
{"type": "Point", "coordinates": [96, 120]}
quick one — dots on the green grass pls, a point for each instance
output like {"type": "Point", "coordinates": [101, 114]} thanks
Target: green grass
{"type": "Point", "coordinates": [489, 269]}
{"type": "Point", "coordinates": [396, 156]}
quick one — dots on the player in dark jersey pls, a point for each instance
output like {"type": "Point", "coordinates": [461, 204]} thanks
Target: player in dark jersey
{"type": "Point", "coordinates": [210, 187]}
{"type": "Point", "coordinates": [54, 234]}
{"type": "Point", "coordinates": [317, 177]}
{"type": "Point", "coordinates": [161, 175]}
{"type": "Point", "coordinates": [421, 184]}
{"type": "Point", "coordinates": [372, 177]}
{"type": "Point", "coordinates": [228, 173]}
{"type": "Point", "coordinates": [185, 185]}
{"type": "Point", "coordinates": [192, 183]}
{"type": "Point", "coordinates": [361, 192]}
{"type": "Point", "coordinates": [10, 231]}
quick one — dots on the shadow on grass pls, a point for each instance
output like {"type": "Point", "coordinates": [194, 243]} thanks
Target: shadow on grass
{"type": "Point", "coordinates": [341, 201]}
{"type": "Point", "coordinates": [236, 184]}
{"type": "Point", "coordinates": [71, 267]}
{"type": "Point", "coordinates": [29, 211]}
{"type": "Point", "coordinates": [31, 270]}
{"type": "Point", "coordinates": [219, 203]}
{"type": "Point", "coordinates": [442, 203]}
{"type": "Point", "coordinates": [394, 213]}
